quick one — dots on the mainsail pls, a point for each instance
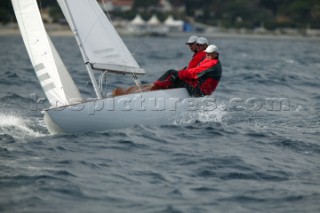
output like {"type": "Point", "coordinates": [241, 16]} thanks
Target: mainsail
{"type": "Point", "coordinates": [102, 45]}
{"type": "Point", "coordinates": [50, 70]}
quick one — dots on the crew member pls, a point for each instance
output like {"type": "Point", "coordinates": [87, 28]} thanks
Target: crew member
{"type": "Point", "coordinates": [196, 45]}
{"type": "Point", "coordinates": [199, 81]}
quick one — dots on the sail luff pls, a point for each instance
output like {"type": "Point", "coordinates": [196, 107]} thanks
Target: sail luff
{"type": "Point", "coordinates": [49, 68]}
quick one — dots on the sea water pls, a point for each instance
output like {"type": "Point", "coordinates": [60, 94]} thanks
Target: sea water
{"type": "Point", "coordinates": [257, 151]}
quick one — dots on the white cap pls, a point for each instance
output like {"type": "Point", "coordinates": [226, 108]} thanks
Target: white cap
{"type": "Point", "coordinates": [202, 40]}
{"type": "Point", "coordinates": [211, 49]}
{"type": "Point", "coordinates": [192, 39]}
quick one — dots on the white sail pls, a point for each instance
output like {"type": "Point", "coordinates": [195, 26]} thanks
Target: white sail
{"type": "Point", "coordinates": [102, 45]}
{"type": "Point", "coordinates": [50, 70]}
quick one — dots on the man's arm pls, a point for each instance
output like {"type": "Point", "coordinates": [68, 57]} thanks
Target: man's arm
{"type": "Point", "coordinates": [192, 73]}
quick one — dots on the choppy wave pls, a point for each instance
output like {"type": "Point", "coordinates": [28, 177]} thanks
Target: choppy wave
{"type": "Point", "coordinates": [20, 127]}
{"type": "Point", "coordinates": [204, 110]}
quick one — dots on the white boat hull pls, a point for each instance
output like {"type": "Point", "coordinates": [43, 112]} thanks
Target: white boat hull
{"type": "Point", "coordinates": [149, 108]}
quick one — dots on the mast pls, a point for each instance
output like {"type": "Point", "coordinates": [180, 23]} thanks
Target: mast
{"type": "Point", "coordinates": [83, 53]}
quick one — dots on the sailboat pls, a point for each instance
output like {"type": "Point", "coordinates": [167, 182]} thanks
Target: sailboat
{"type": "Point", "coordinates": [102, 51]}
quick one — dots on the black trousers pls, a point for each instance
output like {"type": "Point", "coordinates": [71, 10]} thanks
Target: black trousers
{"type": "Point", "coordinates": [173, 81]}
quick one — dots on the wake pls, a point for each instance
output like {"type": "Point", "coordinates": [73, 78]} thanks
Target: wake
{"type": "Point", "coordinates": [203, 114]}
{"type": "Point", "coordinates": [19, 127]}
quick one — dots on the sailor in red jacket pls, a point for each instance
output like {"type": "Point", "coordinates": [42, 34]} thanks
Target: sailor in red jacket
{"type": "Point", "coordinates": [199, 81]}
{"type": "Point", "coordinates": [197, 45]}
{"type": "Point", "coordinates": [193, 47]}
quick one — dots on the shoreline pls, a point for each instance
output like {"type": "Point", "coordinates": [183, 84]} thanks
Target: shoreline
{"type": "Point", "coordinates": [61, 30]}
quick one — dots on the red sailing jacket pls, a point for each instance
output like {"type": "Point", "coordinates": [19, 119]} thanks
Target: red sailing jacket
{"type": "Point", "coordinates": [195, 72]}
{"type": "Point", "coordinates": [204, 78]}
{"type": "Point", "coordinates": [196, 59]}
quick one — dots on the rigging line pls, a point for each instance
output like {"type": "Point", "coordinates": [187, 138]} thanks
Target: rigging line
{"type": "Point", "coordinates": [137, 47]}
{"type": "Point", "coordinates": [136, 80]}
{"type": "Point", "coordinates": [101, 78]}
{"type": "Point", "coordinates": [106, 82]}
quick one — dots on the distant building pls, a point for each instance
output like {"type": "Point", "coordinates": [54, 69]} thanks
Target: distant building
{"type": "Point", "coordinates": [137, 26]}
{"type": "Point", "coordinates": [154, 21]}
{"type": "Point", "coordinates": [163, 6]}
{"type": "Point", "coordinates": [138, 20]}
{"type": "Point", "coordinates": [155, 27]}
{"type": "Point", "coordinates": [174, 25]}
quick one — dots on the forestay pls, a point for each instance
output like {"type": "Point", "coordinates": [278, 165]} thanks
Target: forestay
{"type": "Point", "coordinates": [101, 43]}
{"type": "Point", "coordinates": [50, 70]}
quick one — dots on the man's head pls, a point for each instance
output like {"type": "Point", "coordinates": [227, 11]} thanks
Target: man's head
{"type": "Point", "coordinates": [202, 44]}
{"type": "Point", "coordinates": [212, 51]}
{"type": "Point", "coordinates": [191, 42]}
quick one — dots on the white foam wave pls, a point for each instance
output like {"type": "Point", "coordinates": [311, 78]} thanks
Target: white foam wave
{"type": "Point", "coordinates": [17, 126]}
{"type": "Point", "coordinates": [203, 115]}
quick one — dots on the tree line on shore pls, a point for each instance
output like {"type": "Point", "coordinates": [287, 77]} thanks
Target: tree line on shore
{"type": "Point", "coordinates": [249, 14]}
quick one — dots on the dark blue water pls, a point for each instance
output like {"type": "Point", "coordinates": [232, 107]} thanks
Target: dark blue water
{"type": "Point", "coordinates": [259, 151]}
